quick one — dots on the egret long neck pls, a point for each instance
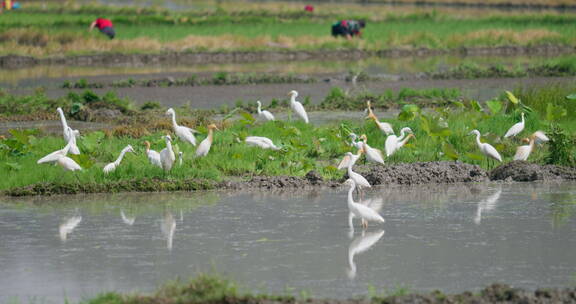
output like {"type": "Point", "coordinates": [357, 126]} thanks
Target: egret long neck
{"type": "Point", "coordinates": [292, 98]}
{"type": "Point", "coordinates": [169, 146]}
{"type": "Point", "coordinates": [259, 109]}
{"type": "Point", "coordinates": [174, 120]}
{"type": "Point", "coordinates": [120, 157]}
{"type": "Point", "coordinates": [350, 197]}
{"type": "Point", "coordinates": [478, 140]}
{"type": "Point", "coordinates": [403, 141]}
{"type": "Point", "coordinates": [63, 120]}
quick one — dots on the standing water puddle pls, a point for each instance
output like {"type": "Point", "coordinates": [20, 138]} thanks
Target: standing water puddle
{"type": "Point", "coordinates": [452, 238]}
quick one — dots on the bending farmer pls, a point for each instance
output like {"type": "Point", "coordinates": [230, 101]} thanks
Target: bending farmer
{"type": "Point", "coordinates": [348, 28]}
{"type": "Point", "coordinates": [105, 27]}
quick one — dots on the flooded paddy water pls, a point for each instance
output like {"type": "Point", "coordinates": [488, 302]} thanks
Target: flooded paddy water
{"type": "Point", "coordinates": [447, 237]}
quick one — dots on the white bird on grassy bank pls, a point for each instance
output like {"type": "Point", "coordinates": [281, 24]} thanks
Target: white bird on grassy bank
{"type": "Point", "coordinates": [113, 165]}
{"type": "Point", "coordinates": [263, 114]}
{"type": "Point", "coordinates": [487, 149]}
{"type": "Point", "coordinates": [372, 154]}
{"type": "Point", "coordinates": [59, 157]}
{"type": "Point", "coordinates": [297, 107]}
{"type": "Point", "coordinates": [262, 142]}
{"type": "Point", "coordinates": [523, 152]}
{"type": "Point", "coordinates": [346, 160]}
{"type": "Point", "coordinates": [385, 127]}
{"type": "Point", "coordinates": [540, 137]}
{"type": "Point", "coordinates": [394, 143]}
{"type": "Point", "coordinates": [153, 156]}
{"type": "Point", "coordinates": [180, 156]}
{"type": "Point", "coordinates": [365, 213]}
{"type": "Point", "coordinates": [205, 145]}
{"type": "Point", "coordinates": [68, 132]}
{"type": "Point", "coordinates": [167, 156]}
{"type": "Point", "coordinates": [184, 133]}
{"type": "Point", "coordinates": [516, 128]}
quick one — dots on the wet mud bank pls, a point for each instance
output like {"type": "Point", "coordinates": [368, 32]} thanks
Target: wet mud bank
{"type": "Point", "coordinates": [441, 172]}
{"type": "Point", "coordinates": [190, 58]}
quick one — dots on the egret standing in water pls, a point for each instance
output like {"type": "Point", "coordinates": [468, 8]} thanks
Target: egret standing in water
{"type": "Point", "coordinates": [205, 145]}
{"type": "Point", "coordinates": [365, 213]}
{"type": "Point", "coordinates": [385, 127]}
{"type": "Point", "coordinates": [113, 165]}
{"type": "Point", "coordinates": [167, 156]}
{"type": "Point", "coordinates": [263, 114]}
{"type": "Point", "coordinates": [297, 107]}
{"type": "Point", "coordinates": [184, 133]}
{"type": "Point", "coordinates": [487, 149]}
{"type": "Point", "coordinates": [516, 128]}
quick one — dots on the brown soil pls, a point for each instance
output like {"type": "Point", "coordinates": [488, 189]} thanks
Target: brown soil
{"type": "Point", "coordinates": [441, 172]}
{"type": "Point", "coordinates": [188, 58]}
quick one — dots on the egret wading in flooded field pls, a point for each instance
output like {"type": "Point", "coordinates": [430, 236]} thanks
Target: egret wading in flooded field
{"type": "Point", "coordinates": [394, 143]}
{"type": "Point", "coordinates": [153, 156]}
{"type": "Point", "coordinates": [205, 145]}
{"type": "Point", "coordinates": [487, 149]}
{"type": "Point", "coordinates": [372, 154]}
{"type": "Point", "coordinates": [184, 133]}
{"type": "Point", "coordinates": [263, 114]}
{"type": "Point", "coordinates": [113, 165]}
{"type": "Point", "coordinates": [385, 127]}
{"type": "Point", "coordinates": [297, 107]}
{"type": "Point", "coordinates": [516, 128]}
{"type": "Point", "coordinates": [167, 156]}
{"type": "Point", "coordinates": [373, 203]}
{"type": "Point", "coordinates": [68, 132]}
{"type": "Point", "coordinates": [365, 213]}
{"type": "Point", "coordinates": [262, 142]}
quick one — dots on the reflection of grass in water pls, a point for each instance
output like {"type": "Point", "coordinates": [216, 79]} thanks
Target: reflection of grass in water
{"type": "Point", "coordinates": [134, 204]}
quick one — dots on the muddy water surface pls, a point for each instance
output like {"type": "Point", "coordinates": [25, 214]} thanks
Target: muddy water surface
{"type": "Point", "coordinates": [452, 238]}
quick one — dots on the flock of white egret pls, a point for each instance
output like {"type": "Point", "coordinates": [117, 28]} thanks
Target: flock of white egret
{"type": "Point", "coordinates": [165, 158]}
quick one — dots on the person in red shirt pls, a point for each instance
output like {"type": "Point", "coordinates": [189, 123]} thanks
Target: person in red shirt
{"type": "Point", "coordinates": [105, 27]}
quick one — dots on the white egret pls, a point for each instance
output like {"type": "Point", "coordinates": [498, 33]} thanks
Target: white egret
{"type": "Point", "coordinates": [359, 245]}
{"type": "Point", "coordinates": [59, 157]}
{"type": "Point", "coordinates": [347, 159]}
{"type": "Point", "coordinates": [540, 137]}
{"type": "Point", "coordinates": [68, 132]}
{"type": "Point", "coordinates": [262, 142]}
{"type": "Point", "coordinates": [357, 178]}
{"type": "Point", "coordinates": [393, 142]}
{"type": "Point", "coordinates": [167, 156]}
{"type": "Point", "coordinates": [113, 165]}
{"type": "Point", "coordinates": [516, 128]}
{"type": "Point", "coordinates": [205, 145]}
{"type": "Point", "coordinates": [487, 204]}
{"type": "Point", "coordinates": [523, 152]}
{"type": "Point", "coordinates": [184, 133]}
{"type": "Point", "coordinates": [365, 213]}
{"type": "Point", "coordinates": [180, 154]}
{"type": "Point", "coordinates": [385, 127]}
{"type": "Point", "coordinates": [68, 226]}
{"type": "Point", "coordinates": [486, 149]}
{"type": "Point", "coordinates": [153, 156]}
{"type": "Point", "coordinates": [297, 107]}
{"type": "Point", "coordinates": [355, 142]}
{"type": "Point", "coordinates": [372, 154]}
{"type": "Point", "coordinates": [373, 203]}
{"type": "Point", "coordinates": [127, 220]}
{"type": "Point", "coordinates": [264, 115]}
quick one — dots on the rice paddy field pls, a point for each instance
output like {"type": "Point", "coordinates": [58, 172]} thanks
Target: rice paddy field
{"type": "Point", "coordinates": [274, 220]}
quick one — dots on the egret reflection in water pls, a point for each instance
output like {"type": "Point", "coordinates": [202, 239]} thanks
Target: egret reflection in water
{"type": "Point", "coordinates": [168, 227]}
{"type": "Point", "coordinates": [127, 220]}
{"type": "Point", "coordinates": [486, 205]}
{"type": "Point", "coordinates": [68, 225]}
{"type": "Point", "coordinates": [359, 245]}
